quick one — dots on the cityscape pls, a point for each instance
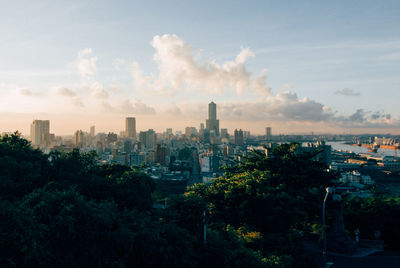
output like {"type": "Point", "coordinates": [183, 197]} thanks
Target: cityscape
{"type": "Point", "coordinates": [197, 155]}
{"type": "Point", "coordinates": [199, 134]}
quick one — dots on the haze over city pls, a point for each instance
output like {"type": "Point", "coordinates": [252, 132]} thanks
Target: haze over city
{"type": "Point", "coordinates": [299, 67]}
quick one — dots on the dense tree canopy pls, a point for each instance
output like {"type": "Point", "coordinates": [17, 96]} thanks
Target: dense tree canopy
{"type": "Point", "coordinates": [275, 199]}
{"type": "Point", "coordinates": [372, 214]}
{"type": "Point", "coordinates": [22, 168]}
{"type": "Point", "coordinates": [65, 210]}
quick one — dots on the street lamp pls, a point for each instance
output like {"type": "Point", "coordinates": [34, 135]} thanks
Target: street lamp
{"type": "Point", "coordinates": [328, 190]}
{"type": "Point", "coordinates": [204, 228]}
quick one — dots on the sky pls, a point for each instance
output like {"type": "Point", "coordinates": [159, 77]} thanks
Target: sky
{"type": "Point", "coordinates": [297, 66]}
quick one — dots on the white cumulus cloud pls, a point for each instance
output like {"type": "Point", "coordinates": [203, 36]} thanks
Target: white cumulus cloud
{"type": "Point", "coordinates": [98, 91]}
{"type": "Point", "coordinates": [85, 63]}
{"type": "Point", "coordinates": [181, 69]}
{"type": "Point", "coordinates": [126, 106]}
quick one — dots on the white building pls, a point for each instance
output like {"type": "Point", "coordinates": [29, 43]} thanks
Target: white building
{"type": "Point", "coordinates": [355, 177]}
{"type": "Point", "coordinates": [40, 131]}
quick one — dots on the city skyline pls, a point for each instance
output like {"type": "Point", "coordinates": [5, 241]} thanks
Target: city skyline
{"type": "Point", "coordinates": [157, 133]}
{"type": "Point", "coordinates": [119, 125]}
{"type": "Point", "coordinates": [299, 68]}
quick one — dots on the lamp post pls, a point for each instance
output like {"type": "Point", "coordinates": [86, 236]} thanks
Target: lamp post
{"type": "Point", "coordinates": [328, 190]}
{"type": "Point", "coordinates": [204, 228]}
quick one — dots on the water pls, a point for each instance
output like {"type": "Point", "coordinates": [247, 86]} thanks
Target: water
{"type": "Point", "coordinates": [361, 150]}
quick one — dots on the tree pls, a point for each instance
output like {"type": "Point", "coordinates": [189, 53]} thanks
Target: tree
{"type": "Point", "coordinates": [23, 169]}
{"type": "Point", "coordinates": [374, 213]}
{"type": "Point", "coordinates": [65, 210]}
{"type": "Point", "coordinates": [277, 196]}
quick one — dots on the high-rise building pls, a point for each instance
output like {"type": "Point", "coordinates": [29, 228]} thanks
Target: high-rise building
{"type": "Point", "coordinates": [40, 132]}
{"type": "Point", "coordinates": [137, 158]}
{"type": "Point", "coordinates": [239, 137]}
{"type": "Point", "coordinates": [190, 132]}
{"type": "Point", "coordinates": [161, 154]}
{"type": "Point", "coordinates": [130, 127]}
{"type": "Point", "coordinates": [268, 132]}
{"type": "Point", "coordinates": [168, 134]}
{"type": "Point", "coordinates": [224, 133]}
{"type": "Point", "coordinates": [128, 146]}
{"type": "Point", "coordinates": [212, 124]}
{"type": "Point", "coordinates": [92, 131]}
{"type": "Point", "coordinates": [148, 139]}
{"type": "Point", "coordinates": [206, 136]}
{"type": "Point", "coordinates": [111, 137]}
{"type": "Point", "coordinates": [142, 138]}
{"type": "Point", "coordinates": [79, 138]}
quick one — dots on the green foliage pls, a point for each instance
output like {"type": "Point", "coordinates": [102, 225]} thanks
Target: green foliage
{"type": "Point", "coordinates": [277, 196]}
{"type": "Point", "coordinates": [132, 190]}
{"type": "Point", "coordinates": [261, 206]}
{"type": "Point", "coordinates": [288, 166]}
{"type": "Point", "coordinates": [74, 232]}
{"type": "Point", "coordinates": [187, 213]}
{"type": "Point", "coordinates": [166, 188]}
{"type": "Point", "coordinates": [22, 168]}
{"type": "Point", "coordinates": [16, 236]}
{"type": "Point", "coordinates": [226, 249]}
{"type": "Point", "coordinates": [129, 188]}
{"type": "Point", "coordinates": [64, 210]}
{"type": "Point", "coordinates": [375, 213]}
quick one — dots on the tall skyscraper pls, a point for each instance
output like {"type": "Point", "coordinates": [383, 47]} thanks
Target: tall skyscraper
{"type": "Point", "coordinates": [130, 127]}
{"type": "Point", "coordinates": [268, 132]}
{"type": "Point", "coordinates": [212, 124]}
{"type": "Point", "coordinates": [40, 132]}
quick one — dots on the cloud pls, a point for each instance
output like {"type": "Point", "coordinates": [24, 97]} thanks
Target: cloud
{"type": "Point", "coordinates": [141, 81]}
{"type": "Point", "coordinates": [70, 94]}
{"type": "Point", "coordinates": [181, 69]}
{"type": "Point", "coordinates": [98, 91]}
{"type": "Point", "coordinates": [136, 107]}
{"type": "Point", "coordinates": [347, 92]}
{"type": "Point", "coordinates": [108, 107]}
{"type": "Point", "coordinates": [286, 107]}
{"type": "Point", "coordinates": [85, 64]}
{"type": "Point", "coordinates": [118, 63]}
{"type": "Point", "coordinates": [28, 92]}
{"type": "Point", "coordinates": [115, 88]}
{"type": "Point", "coordinates": [367, 119]}
{"type": "Point", "coordinates": [126, 106]}
{"type": "Point", "coordinates": [77, 102]}
{"type": "Point", "coordinates": [173, 110]}
{"type": "Point", "coordinates": [184, 74]}
{"type": "Point", "coordinates": [63, 91]}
